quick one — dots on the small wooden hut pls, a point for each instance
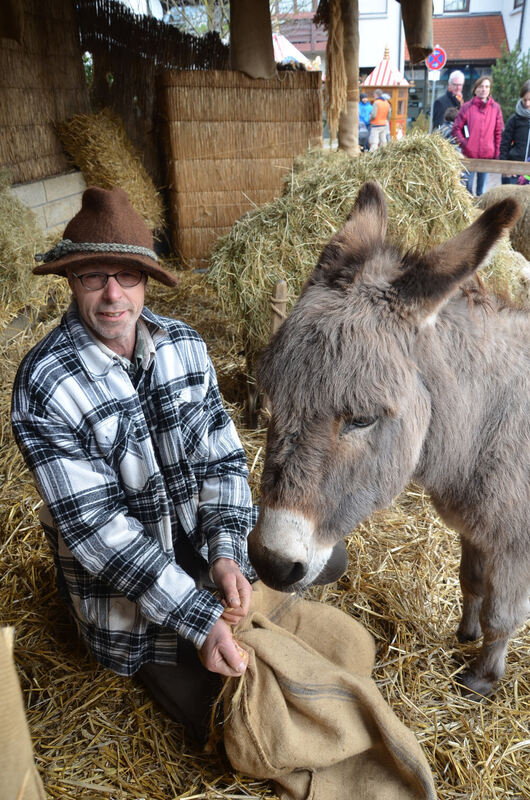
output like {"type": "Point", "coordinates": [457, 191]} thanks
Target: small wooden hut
{"type": "Point", "coordinates": [387, 77]}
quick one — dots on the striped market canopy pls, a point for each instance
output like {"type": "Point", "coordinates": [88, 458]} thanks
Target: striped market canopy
{"type": "Point", "coordinates": [385, 74]}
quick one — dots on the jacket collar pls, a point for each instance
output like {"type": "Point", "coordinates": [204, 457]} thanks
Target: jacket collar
{"type": "Point", "coordinates": [95, 361]}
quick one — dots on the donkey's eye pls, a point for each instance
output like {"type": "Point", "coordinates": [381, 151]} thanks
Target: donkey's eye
{"type": "Point", "coordinates": [356, 423]}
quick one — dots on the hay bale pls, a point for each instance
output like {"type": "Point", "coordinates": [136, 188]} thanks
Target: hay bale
{"type": "Point", "coordinates": [282, 240]}
{"type": "Point", "coordinates": [100, 147]}
{"type": "Point", "coordinates": [520, 234]}
{"type": "Point", "coordinates": [20, 238]}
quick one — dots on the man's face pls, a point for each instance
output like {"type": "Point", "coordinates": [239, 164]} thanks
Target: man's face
{"type": "Point", "coordinates": [111, 312]}
{"type": "Point", "coordinates": [456, 86]}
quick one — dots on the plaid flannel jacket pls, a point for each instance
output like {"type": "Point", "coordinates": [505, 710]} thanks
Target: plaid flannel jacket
{"type": "Point", "coordinates": [124, 467]}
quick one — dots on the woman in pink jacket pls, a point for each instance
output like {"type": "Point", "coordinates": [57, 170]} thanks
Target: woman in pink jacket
{"type": "Point", "coordinates": [478, 128]}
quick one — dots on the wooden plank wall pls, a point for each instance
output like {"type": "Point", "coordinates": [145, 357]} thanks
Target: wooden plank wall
{"type": "Point", "coordinates": [230, 142]}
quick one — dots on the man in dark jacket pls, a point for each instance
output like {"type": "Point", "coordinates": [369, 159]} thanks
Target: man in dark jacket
{"type": "Point", "coordinates": [515, 140]}
{"type": "Point", "coordinates": [452, 97]}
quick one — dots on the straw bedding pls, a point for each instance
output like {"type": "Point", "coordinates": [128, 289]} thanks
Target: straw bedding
{"type": "Point", "coordinates": [282, 240]}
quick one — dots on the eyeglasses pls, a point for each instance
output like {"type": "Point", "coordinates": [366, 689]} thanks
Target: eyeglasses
{"type": "Point", "coordinates": [93, 281]}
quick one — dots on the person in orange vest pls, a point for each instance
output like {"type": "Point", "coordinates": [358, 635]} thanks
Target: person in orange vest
{"type": "Point", "coordinates": [379, 121]}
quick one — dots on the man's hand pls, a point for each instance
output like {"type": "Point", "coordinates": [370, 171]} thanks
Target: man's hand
{"type": "Point", "coordinates": [235, 590]}
{"type": "Point", "coordinates": [221, 653]}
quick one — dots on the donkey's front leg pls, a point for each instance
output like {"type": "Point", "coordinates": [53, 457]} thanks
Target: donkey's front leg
{"type": "Point", "coordinates": [504, 607]}
{"type": "Point", "coordinates": [473, 588]}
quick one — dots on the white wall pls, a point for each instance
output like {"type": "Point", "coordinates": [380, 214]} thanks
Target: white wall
{"type": "Point", "coordinates": [54, 201]}
{"type": "Point", "coordinates": [379, 27]}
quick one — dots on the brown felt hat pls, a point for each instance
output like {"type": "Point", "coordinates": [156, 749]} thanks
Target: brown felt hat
{"type": "Point", "coordinates": [107, 228]}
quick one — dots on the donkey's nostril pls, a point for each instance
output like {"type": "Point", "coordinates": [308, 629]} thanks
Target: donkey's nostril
{"type": "Point", "coordinates": [277, 572]}
{"type": "Point", "coordinates": [296, 573]}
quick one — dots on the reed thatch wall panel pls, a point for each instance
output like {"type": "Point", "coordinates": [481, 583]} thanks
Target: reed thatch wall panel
{"type": "Point", "coordinates": [230, 141]}
{"type": "Point", "coordinates": [216, 209]}
{"type": "Point", "coordinates": [43, 83]}
{"type": "Point", "coordinates": [254, 105]}
{"type": "Point", "coordinates": [195, 174]}
{"type": "Point", "coordinates": [194, 139]}
{"type": "Point", "coordinates": [199, 240]}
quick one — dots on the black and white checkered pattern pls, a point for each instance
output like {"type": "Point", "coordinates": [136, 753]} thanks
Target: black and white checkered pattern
{"type": "Point", "coordinates": [125, 467]}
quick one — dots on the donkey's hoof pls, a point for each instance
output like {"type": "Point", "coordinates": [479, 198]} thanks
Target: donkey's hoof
{"type": "Point", "coordinates": [473, 686]}
{"type": "Point", "coordinates": [472, 635]}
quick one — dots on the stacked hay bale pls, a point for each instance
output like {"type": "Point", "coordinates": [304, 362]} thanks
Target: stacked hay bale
{"type": "Point", "coordinates": [520, 233]}
{"type": "Point", "coordinates": [100, 147]}
{"type": "Point", "coordinates": [282, 240]}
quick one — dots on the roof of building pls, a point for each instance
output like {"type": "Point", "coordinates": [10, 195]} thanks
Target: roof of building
{"type": "Point", "coordinates": [469, 37]}
{"type": "Point", "coordinates": [385, 74]}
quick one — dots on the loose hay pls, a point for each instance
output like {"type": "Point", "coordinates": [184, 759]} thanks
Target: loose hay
{"type": "Point", "coordinates": [100, 147]}
{"type": "Point", "coordinates": [520, 233]}
{"type": "Point", "coordinates": [20, 239]}
{"type": "Point", "coordinates": [98, 735]}
{"type": "Point", "coordinates": [427, 204]}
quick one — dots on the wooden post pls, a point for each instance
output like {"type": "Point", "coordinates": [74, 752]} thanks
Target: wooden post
{"type": "Point", "coordinates": [348, 133]}
{"type": "Point", "coordinates": [279, 313]}
{"type": "Point", "coordinates": [278, 305]}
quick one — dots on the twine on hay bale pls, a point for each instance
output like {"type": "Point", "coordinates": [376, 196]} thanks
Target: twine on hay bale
{"type": "Point", "coordinates": [282, 240]}
{"type": "Point", "coordinates": [100, 147]}
{"type": "Point", "coordinates": [96, 734]}
{"type": "Point", "coordinates": [20, 238]}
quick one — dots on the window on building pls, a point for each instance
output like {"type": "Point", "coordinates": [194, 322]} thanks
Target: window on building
{"type": "Point", "coordinates": [518, 3]}
{"type": "Point", "coordinates": [456, 5]}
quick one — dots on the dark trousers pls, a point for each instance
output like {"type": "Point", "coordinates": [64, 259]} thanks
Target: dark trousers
{"type": "Point", "coordinates": [185, 691]}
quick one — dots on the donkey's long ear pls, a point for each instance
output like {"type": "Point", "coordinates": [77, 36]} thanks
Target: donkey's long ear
{"type": "Point", "coordinates": [364, 229]}
{"type": "Point", "coordinates": [430, 280]}
{"type": "Point", "coordinates": [368, 218]}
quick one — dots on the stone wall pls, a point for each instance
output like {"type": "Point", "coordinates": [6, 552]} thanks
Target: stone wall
{"type": "Point", "coordinates": [54, 200]}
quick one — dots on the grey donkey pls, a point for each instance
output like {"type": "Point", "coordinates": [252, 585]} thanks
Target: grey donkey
{"type": "Point", "coordinates": [392, 368]}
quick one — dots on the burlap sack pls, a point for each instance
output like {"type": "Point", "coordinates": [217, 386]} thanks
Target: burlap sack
{"type": "Point", "coordinates": [306, 713]}
{"type": "Point", "coordinates": [19, 779]}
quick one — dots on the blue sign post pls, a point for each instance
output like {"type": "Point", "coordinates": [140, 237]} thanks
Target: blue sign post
{"type": "Point", "coordinates": [435, 62]}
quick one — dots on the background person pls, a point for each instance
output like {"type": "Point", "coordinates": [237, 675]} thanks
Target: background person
{"type": "Point", "coordinates": [515, 139]}
{"type": "Point", "coordinates": [452, 98]}
{"type": "Point", "coordinates": [147, 507]}
{"type": "Point", "coordinates": [365, 110]}
{"type": "Point", "coordinates": [379, 121]}
{"type": "Point", "coordinates": [446, 129]}
{"type": "Point", "coordinates": [478, 129]}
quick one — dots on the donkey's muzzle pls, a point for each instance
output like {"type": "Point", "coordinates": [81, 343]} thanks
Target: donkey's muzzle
{"type": "Point", "coordinates": [277, 572]}
{"type": "Point", "coordinates": [284, 574]}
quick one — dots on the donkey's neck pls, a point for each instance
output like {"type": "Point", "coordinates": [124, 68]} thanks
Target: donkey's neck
{"type": "Point", "coordinates": [473, 361]}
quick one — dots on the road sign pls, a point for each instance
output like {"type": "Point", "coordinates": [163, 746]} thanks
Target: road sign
{"type": "Point", "coordinates": [437, 58]}
{"type": "Point", "coordinates": [434, 75]}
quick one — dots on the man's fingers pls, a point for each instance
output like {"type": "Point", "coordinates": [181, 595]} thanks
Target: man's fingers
{"type": "Point", "coordinates": [235, 657]}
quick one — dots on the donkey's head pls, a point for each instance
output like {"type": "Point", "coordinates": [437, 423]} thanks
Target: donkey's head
{"type": "Point", "coordinates": [349, 408]}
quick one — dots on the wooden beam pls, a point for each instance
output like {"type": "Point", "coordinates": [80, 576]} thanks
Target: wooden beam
{"type": "Point", "coordinates": [494, 165]}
